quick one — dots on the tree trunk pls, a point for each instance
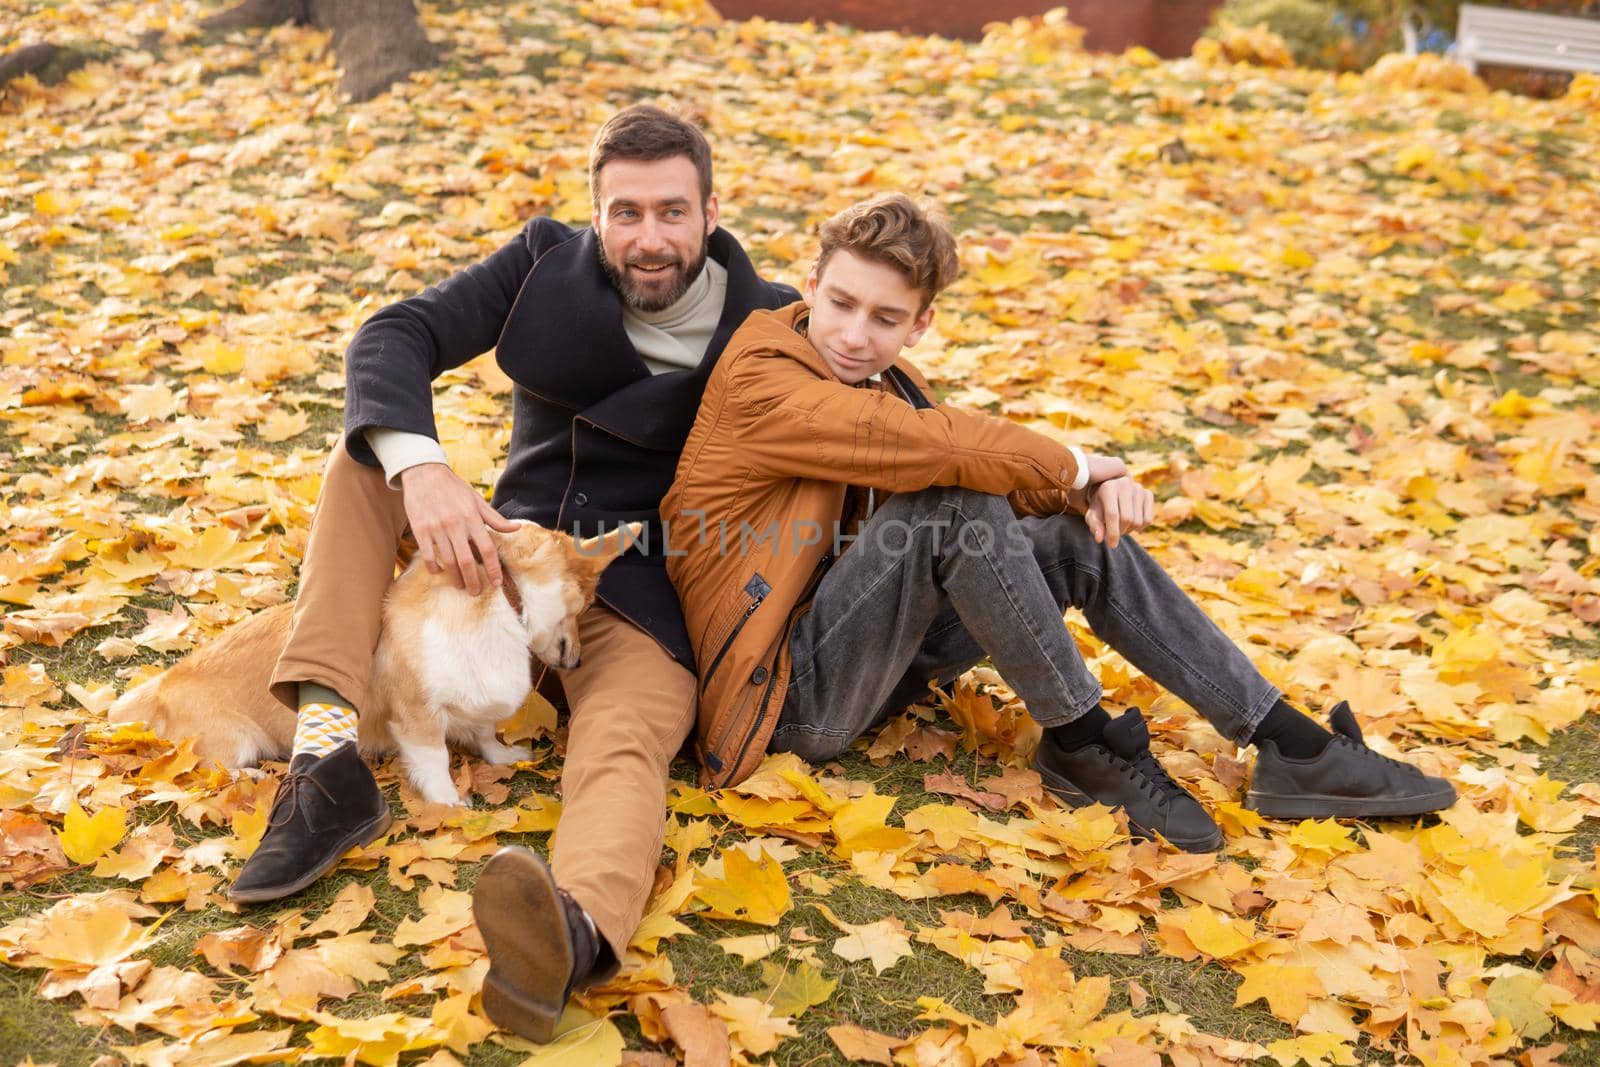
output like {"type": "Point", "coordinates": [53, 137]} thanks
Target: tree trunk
{"type": "Point", "coordinates": [378, 42]}
{"type": "Point", "coordinates": [28, 59]}
{"type": "Point", "coordinates": [253, 13]}
{"type": "Point", "coordinates": [1409, 32]}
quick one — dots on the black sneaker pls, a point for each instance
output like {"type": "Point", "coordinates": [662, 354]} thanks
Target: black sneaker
{"type": "Point", "coordinates": [541, 946]}
{"type": "Point", "coordinates": [325, 806]}
{"type": "Point", "coordinates": [1121, 772]}
{"type": "Point", "coordinates": [1346, 780]}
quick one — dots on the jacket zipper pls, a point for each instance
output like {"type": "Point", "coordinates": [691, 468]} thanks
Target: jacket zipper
{"type": "Point", "coordinates": [761, 710]}
{"type": "Point", "coordinates": [757, 588]}
{"type": "Point", "coordinates": [772, 672]}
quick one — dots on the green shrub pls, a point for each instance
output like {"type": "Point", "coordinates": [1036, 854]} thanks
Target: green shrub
{"type": "Point", "coordinates": [1308, 27]}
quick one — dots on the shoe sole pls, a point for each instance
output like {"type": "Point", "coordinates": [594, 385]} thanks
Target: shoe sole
{"type": "Point", "coordinates": [517, 907]}
{"type": "Point", "coordinates": [1321, 806]}
{"type": "Point", "coordinates": [1074, 797]}
{"type": "Point", "coordinates": [357, 838]}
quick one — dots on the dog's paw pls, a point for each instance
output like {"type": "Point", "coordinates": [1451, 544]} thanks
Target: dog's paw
{"type": "Point", "coordinates": [504, 755]}
{"type": "Point", "coordinates": [441, 795]}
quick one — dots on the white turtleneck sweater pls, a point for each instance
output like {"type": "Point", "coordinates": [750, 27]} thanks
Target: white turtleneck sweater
{"type": "Point", "coordinates": [672, 339]}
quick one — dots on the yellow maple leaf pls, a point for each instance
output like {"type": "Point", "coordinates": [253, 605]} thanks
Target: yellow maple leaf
{"type": "Point", "coordinates": [884, 942]}
{"type": "Point", "coordinates": [86, 932]}
{"type": "Point", "coordinates": [1514, 406]}
{"type": "Point", "coordinates": [860, 826]}
{"type": "Point", "coordinates": [249, 824]}
{"type": "Point", "coordinates": [1540, 716]}
{"type": "Point", "coordinates": [51, 203]}
{"type": "Point", "coordinates": [1124, 249]}
{"type": "Point", "coordinates": [946, 824]}
{"type": "Point", "coordinates": [215, 549]}
{"type": "Point", "coordinates": [752, 947]}
{"type": "Point", "coordinates": [377, 1040]}
{"type": "Point", "coordinates": [1322, 835]}
{"type": "Point", "coordinates": [1317, 1050]}
{"type": "Point", "coordinates": [444, 911]}
{"type": "Point", "coordinates": [756, 813]}
{"type": "Point", "coordinates": [1286, 989]}
{"type": "Point", "coordinates": [139, 858]}
{"type": "Point", "coordinates": [282, 424]}
{"type": "Point", "coordinates": [1000, 274]}
{"type": "Point", "coordinates": [1429, 351]}
{"type": "Point", "coordinates": [749, 891]}
{"type": "Point", "coordinates": [1411, 157]}
{"type": "Point", "coordinates": [457, 1026]}
{"type": "Point", "coordinates": [1464, 651]}
{"type": "Point", "coordinates": [85, 838]}
{"type": "Point", "coordinates": [752, 1024]}
{"type": "Point", "coordinates": [582, 1039]}
{"type": "Point", "coordinates": [1519, 296]}
{"type": "Point", "coordinates": [215, 356]}
{"type": "Point", "coordinates": [1238, 820]}
{"type": "Point", "coordinates": [536, 814]}
{"type": "Point", "coordinates": [1297, 258]}
{"type": "Point", "coordinates": [1217, 936]}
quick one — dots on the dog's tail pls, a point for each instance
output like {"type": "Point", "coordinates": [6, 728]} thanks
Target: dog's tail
{"type": "Point", "coordinates": [142, 703]}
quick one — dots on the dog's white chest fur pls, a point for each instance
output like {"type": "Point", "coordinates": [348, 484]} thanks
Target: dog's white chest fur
{"type": "Point", "coordinates": [482, 671]}
{"type": "Point", "coordinates": [472, 668]}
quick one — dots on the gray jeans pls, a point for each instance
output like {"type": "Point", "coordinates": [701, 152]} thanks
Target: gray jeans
{"type": "Point", "coordinates": [940, 578]}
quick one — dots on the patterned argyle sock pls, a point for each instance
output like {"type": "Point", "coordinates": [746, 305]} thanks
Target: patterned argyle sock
{"type": "Point", "coordinates": [326, 721]}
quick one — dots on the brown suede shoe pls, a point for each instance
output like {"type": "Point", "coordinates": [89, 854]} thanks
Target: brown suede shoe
{"type": "Point", "coordinates": [540, 944]}
{"type": "Point", "coordinates": [324, 807]}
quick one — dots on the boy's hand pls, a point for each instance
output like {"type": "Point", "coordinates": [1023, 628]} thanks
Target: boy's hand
{"type": "Point", "coordinates": [1102, 469]}
{"type": "Point", "coordinates": [1119, 506]}
{"type": "Point", "coordinates": [449, 520]}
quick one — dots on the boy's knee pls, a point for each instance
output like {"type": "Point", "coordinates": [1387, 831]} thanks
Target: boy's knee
{"type": "Point", "coordinates": [955, 505]}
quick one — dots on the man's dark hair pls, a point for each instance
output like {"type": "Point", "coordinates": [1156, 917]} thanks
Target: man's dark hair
{"type": "Point", "coordinates": [647, 133]}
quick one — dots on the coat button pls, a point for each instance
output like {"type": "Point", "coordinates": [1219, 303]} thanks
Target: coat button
{"type": "Point", "coordinates": [580, 499]}
{"type": "Point", "coordinates": [758, 676]}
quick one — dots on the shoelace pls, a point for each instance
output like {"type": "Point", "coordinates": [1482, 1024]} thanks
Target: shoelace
{"type": "Point", "coordinates": [1154, 779]}
{"type": "Point", "coordinates": [1362, 746]}
{"type": "Point", "coordinates": [290, 790]}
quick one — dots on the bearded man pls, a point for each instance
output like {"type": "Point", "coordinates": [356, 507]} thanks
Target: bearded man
{"type": "Point", "coordinates": [609, 333]}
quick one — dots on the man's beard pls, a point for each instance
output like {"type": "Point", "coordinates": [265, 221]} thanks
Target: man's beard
{"type": "Point", "coordinates": [661, 293]}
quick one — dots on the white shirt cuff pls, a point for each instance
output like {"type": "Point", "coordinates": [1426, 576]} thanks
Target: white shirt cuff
{"type": "Point", "coordinates": [399, 451]}
{"type": "Point", "coordinates": [1077, 456]}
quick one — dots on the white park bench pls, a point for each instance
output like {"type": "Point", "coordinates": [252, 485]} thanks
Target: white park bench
{"type": "Point", "coordinates": [1525, 39]}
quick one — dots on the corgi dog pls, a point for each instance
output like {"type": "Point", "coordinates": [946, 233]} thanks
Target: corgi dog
{"type": "Point", "coordinates": [448, 666]}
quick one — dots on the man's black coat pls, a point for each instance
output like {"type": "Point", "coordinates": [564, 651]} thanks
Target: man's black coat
{"type": "Point", "coordinates": [595, 436]}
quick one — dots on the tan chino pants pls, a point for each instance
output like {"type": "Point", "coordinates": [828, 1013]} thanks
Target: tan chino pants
{"type": "Point", "coordinates": [631, 704]}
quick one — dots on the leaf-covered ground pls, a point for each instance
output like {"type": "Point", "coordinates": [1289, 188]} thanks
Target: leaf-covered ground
{"type": "Point", "coordinates": [1346, 331]}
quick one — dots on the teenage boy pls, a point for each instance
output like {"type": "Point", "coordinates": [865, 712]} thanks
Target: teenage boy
{"type": "Point", "coordinates": [818, 604]}
{"type": "Point", "coordinates": [610, 332]}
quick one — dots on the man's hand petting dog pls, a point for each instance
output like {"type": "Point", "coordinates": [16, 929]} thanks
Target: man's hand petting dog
{"type": "Point", "coordinates": [451, 522]}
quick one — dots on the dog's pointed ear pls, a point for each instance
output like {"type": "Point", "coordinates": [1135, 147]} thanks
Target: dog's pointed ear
{"type": "Point", "coordinates": [600, 551]}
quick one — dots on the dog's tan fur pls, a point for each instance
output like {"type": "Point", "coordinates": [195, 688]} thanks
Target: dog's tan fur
{"type": "Point", "coordinates": [423, 690]}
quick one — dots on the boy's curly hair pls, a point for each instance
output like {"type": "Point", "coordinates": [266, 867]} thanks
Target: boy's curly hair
{"type": "Point", "coordinates": [899, 232]}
